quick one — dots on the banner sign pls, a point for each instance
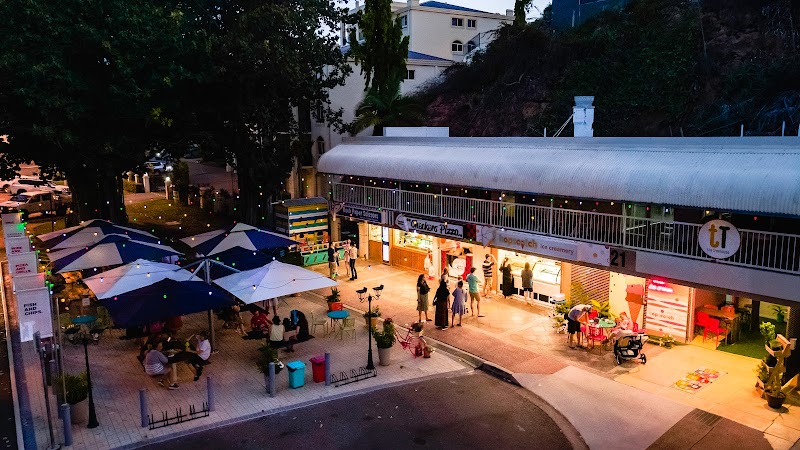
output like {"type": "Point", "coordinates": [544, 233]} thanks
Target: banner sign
{"type": "Point", "coordinates": [424, 226]}
{"type": "Point", "coordinates": [13, 226]}
{"type": "Point", "coordinates": [22, 263]}
{"type": "Point", "coordinates": [17, 245]}
{"type": "Point", "coordinates": [366, 214]}
{"type": "Point", "coordinates": [530, 243]}
{"type": "Point", "coordinates": [667, 310]}
{"type": "Point", "coordinates": [28, 281]}
{"type": "Point", "coordinates": [33, 309]}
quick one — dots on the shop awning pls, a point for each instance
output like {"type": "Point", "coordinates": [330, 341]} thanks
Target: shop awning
{"type": "Point", "coordinates": [745, 174]}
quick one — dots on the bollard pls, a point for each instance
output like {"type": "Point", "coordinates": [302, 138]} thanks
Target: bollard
{"type": "Point", "coordinates": [66, 422]}
{"type": "Point", "coordinates": [327, 369]}
{"type": "Point", "coordinates": [272, 379]}
{"type": "Point", "coordinates": [143, 406]}
{"type": "Point", "coordinates": [210, 386]}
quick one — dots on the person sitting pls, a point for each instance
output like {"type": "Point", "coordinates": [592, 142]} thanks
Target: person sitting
{"type": "Point", "coordinates": [623, 321]}
{"type": "Point", "coordinates": [276, 333]}
{"type": "Point", "coordinates": [260, 322]}
{"type": "Point", "coordinates": [154, 365]}
{"type": "Point", "coordinates": [289, 334]}
{"type": "Point", "coordinates": [617, 334]}
{"type": "Point", "coordinates": [201, 354]}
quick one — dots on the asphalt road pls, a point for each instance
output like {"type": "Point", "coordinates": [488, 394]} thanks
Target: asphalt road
{"type": "Point", "coordinates": [471, 411]}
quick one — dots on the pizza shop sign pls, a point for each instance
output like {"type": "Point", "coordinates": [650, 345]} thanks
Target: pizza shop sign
{"type": "Point", "coordinates": [429, 226]}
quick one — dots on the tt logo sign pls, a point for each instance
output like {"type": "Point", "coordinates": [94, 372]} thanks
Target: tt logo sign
{"type": "Point", "coordinates": [718, 239]}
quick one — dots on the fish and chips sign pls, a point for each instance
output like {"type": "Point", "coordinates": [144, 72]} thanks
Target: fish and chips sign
{"type": "Point", "coordinates": [33, 308]}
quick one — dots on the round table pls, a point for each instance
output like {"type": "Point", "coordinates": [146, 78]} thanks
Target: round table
{"type": "Point", "coordinates": [337, 316]}
{"type": "Point", "coordinates": [84, 320]}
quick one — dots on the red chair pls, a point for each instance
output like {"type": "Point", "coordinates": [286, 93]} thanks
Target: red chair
{"type": "Point", "coordinates": [595, 335]}
{"type": "Point", "coordinates": [635, 327]}
{"type": "Point", "coordinates": [593, 314]}
{"type": "Point", "coordinates": [712, 326]}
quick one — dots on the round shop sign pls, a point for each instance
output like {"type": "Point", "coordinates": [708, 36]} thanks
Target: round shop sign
{"type": "Point", "coordinates": [719, 239]}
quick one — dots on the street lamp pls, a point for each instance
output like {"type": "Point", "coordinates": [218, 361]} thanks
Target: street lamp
{"type": "Point", "coordinates": [361, 292]}
{"type": "Point", "coordinates": [85, 339]}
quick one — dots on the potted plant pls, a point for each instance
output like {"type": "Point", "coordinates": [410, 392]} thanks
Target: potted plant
{"type": "Point", "coordinates": [762, 373]}
{"type": "Point", "coordinates": [76, 391]}
{"type": "Point", "coordinates": [603, 309]}
{"type": "Point", "coordinates": [767, 330]}
{"type": "Point", "coordinates": [780, 313]}
{"type": "Point", "coordinates": [372, 317]}
{"type": "Point", "coordinates": [266, 355]}
{"type": "Point", "coordinates": [334, 300]}
{"type": "Point", "coordinates": [385, 339]}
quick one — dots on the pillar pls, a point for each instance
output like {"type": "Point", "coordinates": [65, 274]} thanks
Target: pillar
{"type": "Point", "coordinates": [363, 240]}
{"type": "Point", "coordinates": [146, 183]}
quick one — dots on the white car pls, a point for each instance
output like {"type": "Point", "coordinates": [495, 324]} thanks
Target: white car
{"type": "Point", "coordinates": [157, 166]}
{"type": "Point", "coordinates": [4, 184]}
{"type": "Point", "coordinates": [33, 183]}
{"type": "Point", "coordinates": [35, 201]}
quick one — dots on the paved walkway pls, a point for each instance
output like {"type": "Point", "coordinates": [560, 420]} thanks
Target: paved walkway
{"type": "Point", "coordinates": [240, 390]}
{"type": "Point", "coordinates": [520, 339]}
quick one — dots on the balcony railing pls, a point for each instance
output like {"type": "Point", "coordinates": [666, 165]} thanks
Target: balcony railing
{"type": "Point", "coordinates": [758, 249]}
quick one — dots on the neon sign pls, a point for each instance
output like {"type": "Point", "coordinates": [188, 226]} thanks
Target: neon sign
{"type": "Point", "coordinates": [660, 286]}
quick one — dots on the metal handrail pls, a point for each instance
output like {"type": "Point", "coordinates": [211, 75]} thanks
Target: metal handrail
{"type": "Point", "coordinates": [759, 249]}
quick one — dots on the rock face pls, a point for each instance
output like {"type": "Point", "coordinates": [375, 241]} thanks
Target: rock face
{"type": "Point", "coordinates": [656, 68]}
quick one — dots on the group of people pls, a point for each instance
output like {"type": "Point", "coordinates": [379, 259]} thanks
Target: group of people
{"type": "Point", "coordinates": [196, 352]}
{"type": "Point", "coordinates": [281, 333]}
{"type": "Point", "coordinates": [578, 316]}
{"type": "Point", "coordinates": [442, 303]}
{"type": "Point", "coordinates": [350, 253]}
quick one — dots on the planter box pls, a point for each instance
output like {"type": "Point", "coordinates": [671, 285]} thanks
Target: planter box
{"type": "Point", "coordinates": [372, 322]}
{"type": "Point", "coordinates": [384, 356]}
{"type": "Point", "coordinates": [79, 412]}
{"type": "Point", "coordinates": [335, 306]}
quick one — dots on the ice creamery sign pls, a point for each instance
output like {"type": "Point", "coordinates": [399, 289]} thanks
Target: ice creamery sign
{"type": "Point", "coordinates": [539, 245]}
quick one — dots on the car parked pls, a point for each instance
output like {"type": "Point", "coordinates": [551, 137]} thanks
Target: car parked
{"type": "Point", "coordinates": [34, 183]}
{"type": "Point", "coordinates": [36, 201]}
{"type": "Point", "coordinates": [158, 165]}
{"type": "Point", "coordinates": [4, 184]}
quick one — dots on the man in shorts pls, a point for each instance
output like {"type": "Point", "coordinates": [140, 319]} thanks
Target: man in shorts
{"type": "Point", "coordinates": [474, 292]}
{"type": "Point", "coordinates": [333, 261]}
{"type": "Point", "coordinates": [576, 315]}
{"type": "Point", "coordinates": [488, 274]}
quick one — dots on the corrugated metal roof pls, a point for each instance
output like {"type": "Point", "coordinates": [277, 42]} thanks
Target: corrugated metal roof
{"type": "Point", "coordinates": [753, 174]}
{"type": "Point", "coordinates": [423, 56]}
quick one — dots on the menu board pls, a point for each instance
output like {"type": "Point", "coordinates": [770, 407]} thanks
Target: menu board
{"type": "Point", "coordinates": [667, 309]}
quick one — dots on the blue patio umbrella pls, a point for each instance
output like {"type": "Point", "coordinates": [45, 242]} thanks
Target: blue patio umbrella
{"type": "Point", "coordinates": [112, 250]}
{"type": "Point", "coordinates": [164, 299]}
{"type": "Point", "coordinates": [240, 241]}
{"type": "Point", "coordinates": [92, 232]}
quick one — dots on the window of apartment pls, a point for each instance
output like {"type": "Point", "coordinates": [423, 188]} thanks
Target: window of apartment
{"type": "Point", "coordinates": [457, 22]}
{"type": "Point", "coordinates": [320, 114]}
{"type": "Point", "coordinates": [471, 45]}
{"type": "Point", "coordinates": [410, 74]}
{"type": "Point", "coordinates": [359, 35]}
{"type": "Point", "coordinates": [472, 23]}
{"type": "Point", "coordinates": [457, 47]}
{"type": "Point", "coordinates": [320, 145]}
{"type": "Point", "coordinates": [404, 21]}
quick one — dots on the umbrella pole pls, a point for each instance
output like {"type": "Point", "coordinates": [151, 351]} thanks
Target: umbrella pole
{"type": "Point", "coordinates": [210, 319]}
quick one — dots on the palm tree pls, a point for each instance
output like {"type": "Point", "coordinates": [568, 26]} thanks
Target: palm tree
{"type": "Point", "coordinates": [380, 109]}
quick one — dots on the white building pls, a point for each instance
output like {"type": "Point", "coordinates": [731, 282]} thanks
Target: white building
{"type": "Point", "coordinates": [440, 34]}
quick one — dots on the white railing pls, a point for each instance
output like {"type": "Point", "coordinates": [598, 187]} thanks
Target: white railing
{"type": "Point", "coordinates": [759, 249]}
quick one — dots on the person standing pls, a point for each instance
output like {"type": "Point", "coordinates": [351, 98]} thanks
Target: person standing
{"type": "Point", "coordinates": [353, 258]}
{"type": "Point", "coordinates": [333, 259]}
{"type": "Point", "coordinates": [527, 283]}
{"type": "Point", "coordinates": [508, 278]}
{"type": "Point", "coordinates": [576, 315]}
{"type": "Point", "coordinates": [422, 297]}
{"type": "Point", "coordinates": [488, 275]}
{"type": "Point", "coordinates": [346, 247]}
{"type": "Point", "coordinates": [474, 292]}
{"type": "Point", "coordinates": [441, 301]}
{"type": "Point", "coordinates": [459, 304]}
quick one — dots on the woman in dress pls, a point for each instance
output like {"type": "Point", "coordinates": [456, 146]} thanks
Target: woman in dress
{"type": "Point", "coordinates": [527, 283]}
{"type": "Point", "coordinates": [458, 303]}
{"type": "Point", "coordinates": [422, 297]}
{"type": "Point", "coordinates": [508, 279]}
{"type": "Point", "coordinates": [442, 302]}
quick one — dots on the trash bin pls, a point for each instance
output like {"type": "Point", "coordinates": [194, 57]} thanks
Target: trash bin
{"type": "Point", "coordinates": [297, 374]}
{"type": "Point", "coordinates": [318, 368]}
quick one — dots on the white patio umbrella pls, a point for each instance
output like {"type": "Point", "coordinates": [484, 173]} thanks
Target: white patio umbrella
{"type": "Point", "coordinates": [112, 250]}
{"type": "Point", "coordinates": [274, 280]}
{"type": "Point", "coordinates": [138, 274]}
{"type": "Point", "coordinates": [91, 232]}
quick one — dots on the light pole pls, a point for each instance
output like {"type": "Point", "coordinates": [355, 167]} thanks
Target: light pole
{"type": "Point", "coordinates": [361, 292]}
{"type": "Point", "coordinates": [85, 338]}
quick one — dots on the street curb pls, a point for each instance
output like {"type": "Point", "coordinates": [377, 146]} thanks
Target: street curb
{"type": "Point", "coordinates": [283, 409]}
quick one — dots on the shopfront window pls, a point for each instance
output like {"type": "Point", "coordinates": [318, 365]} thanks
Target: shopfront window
{"type": "Point", "coordinates": [413, 240]}
{"type": "Point", "coordinates": [375, 233]}
{"type": "Point", "coordinates": [546, 274]}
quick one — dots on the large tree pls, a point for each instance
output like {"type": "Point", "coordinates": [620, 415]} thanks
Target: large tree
{"type": "Point", "coordinates": [268, 63]}
{"type": "Point", "coordinates": [86, 89]}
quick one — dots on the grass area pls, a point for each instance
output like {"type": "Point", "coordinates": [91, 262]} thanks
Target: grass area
{"type": "Point", "coordinates": [155, 215]}
{"type": "Point", "coordinates": [750, 341]}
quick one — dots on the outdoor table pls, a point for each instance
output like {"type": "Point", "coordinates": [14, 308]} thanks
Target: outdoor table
{"type": "Point", "coordinates": [731, 318]}
{"type": "Point", "coordinates": [606, 325]}
{"type": "Point", "coordinates": [337, 317]}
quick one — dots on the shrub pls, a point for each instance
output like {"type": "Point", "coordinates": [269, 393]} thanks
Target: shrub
{"type": "Point", "coordinates": [77, 387]}
{"type": "Point", "coordinates": [385, 338]}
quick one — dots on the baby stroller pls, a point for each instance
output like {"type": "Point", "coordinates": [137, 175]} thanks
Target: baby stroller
{"type": "Point", "coordinates": [630, 347]}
